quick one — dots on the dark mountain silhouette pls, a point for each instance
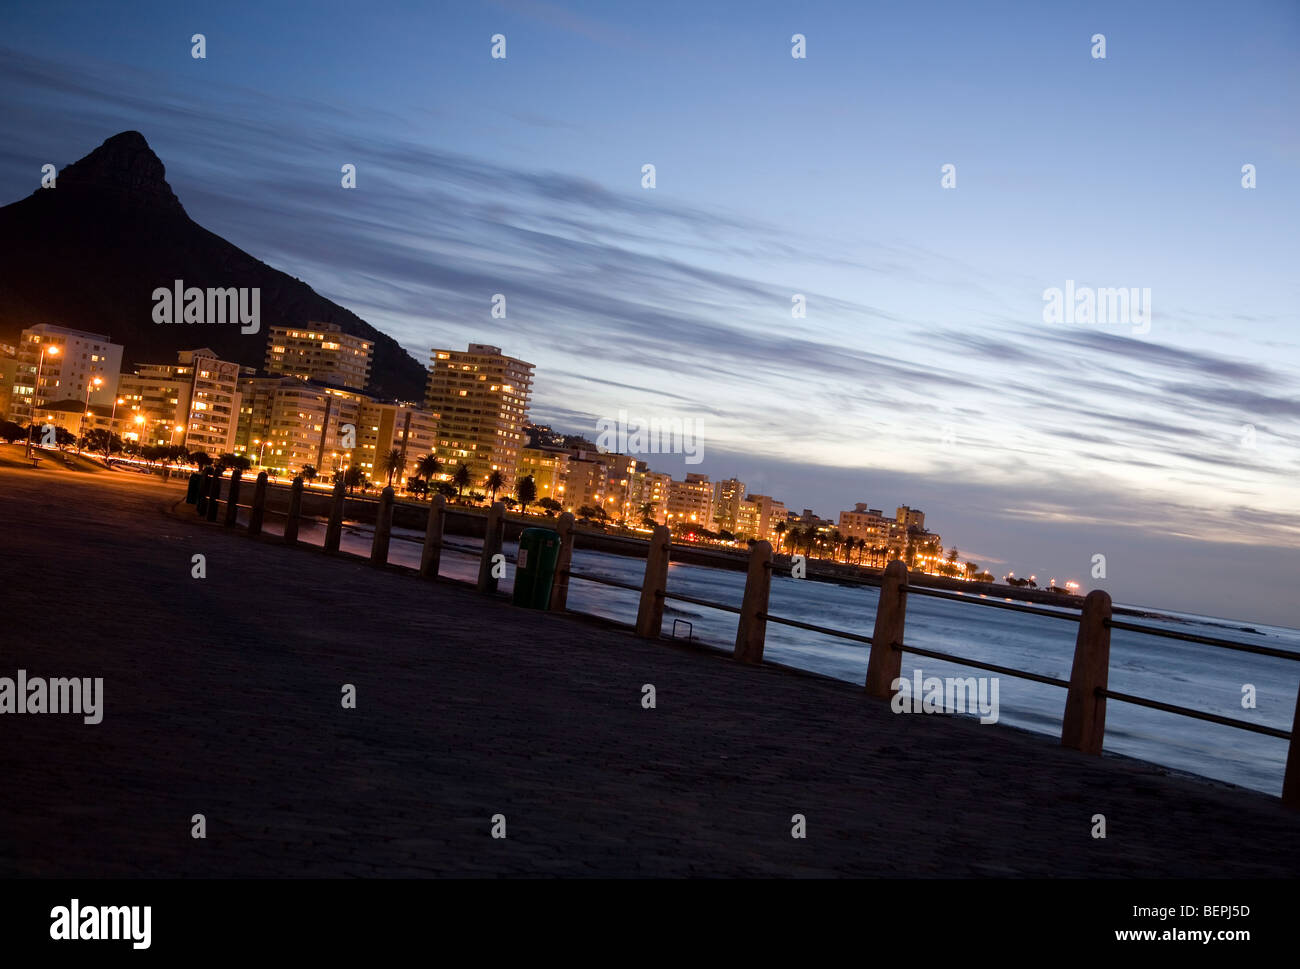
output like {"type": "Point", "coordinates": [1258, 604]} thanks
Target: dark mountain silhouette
{"type": "Point", "coordinates": [89, 253]}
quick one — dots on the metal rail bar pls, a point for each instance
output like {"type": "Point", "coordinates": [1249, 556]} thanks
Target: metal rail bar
{"type": "Point", "coordinates": [817, 629]}
{"type": "Point", "coordinates": [966, 661]}
{"type": "Point", "coordinates": [1196, 714]}
{"type": "Point", "coordinates": [1205, 640]}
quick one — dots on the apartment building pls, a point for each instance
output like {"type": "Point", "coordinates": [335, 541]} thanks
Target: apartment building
{"type": "Point", "coordinates": [481, 397]}
{"type": "Point", "coordinates": [286, 424]}
{"type": "Point", "coordinates": [691, 501]}
{"type": "Point", "coordinates": [194, 402]}
{"type": "Point", "coordinates": [321, 352]}
{"type": "Point", "coordinates": [387, 427]}
{"type": "Point", "coordinates": [67, 362]}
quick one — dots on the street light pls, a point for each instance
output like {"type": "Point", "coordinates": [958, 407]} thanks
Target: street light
{"type": "Point", "coordinates": [139, 433]}
{"type": "Point", "coordinates": [97, 382]}
{"type": "Point", "coordinates": [53, 351]}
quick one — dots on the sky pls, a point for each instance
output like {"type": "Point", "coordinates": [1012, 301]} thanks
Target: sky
{"type": "Point", "coordinates": [925, 371]}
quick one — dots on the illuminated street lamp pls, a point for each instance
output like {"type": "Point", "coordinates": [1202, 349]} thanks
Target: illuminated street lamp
{"type": "Point", "coordinates": [139, 431]}
{"type": "Point", "coordinates": [53, 351]}
{"type": "Point", "coordinates": [96, 383]}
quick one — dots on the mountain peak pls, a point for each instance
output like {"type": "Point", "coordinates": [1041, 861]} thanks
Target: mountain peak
{"type": "Point", "coordinates": [123, 170]}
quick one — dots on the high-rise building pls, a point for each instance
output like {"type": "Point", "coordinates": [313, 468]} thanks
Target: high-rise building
{"type": "Point", "coordinates": [481, 397]}
{"type": "Point", "coordinates": [320, 352]}
{"type": "Point", "coordinates": [68, 361]}
{"type": "Point", "coordinates": [388, 427]}
{"type": "Point", "coordinates": [199, 394]}
{"type": "Point", "coordinates": [286, 424]}
{"type": "Point", "coordinates": [727, 496]}
{"type": "Point", "coordinates": [691, 501]}
{"type": "Point", "coordinates": [647, 495]}
{"type": "Point", "coordinates": [768, 511]}
{"type": "Point", "coordinates": [868, 524]}
{"type": "Point", "coordinates": [621, 486]}
{"type": "Point", "coordinates": [585, 482]}
{"type": "Point", "coordinates": [910, 517]}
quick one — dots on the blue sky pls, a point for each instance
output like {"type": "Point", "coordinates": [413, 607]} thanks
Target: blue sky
{"type": "Point", "coordinates": [924, 372]}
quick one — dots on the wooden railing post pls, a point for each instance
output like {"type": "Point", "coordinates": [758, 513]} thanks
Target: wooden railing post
{"type": "Point", "coordinates": [214, 496]}
{"type": "Point", "coordinates": [493, 535]}
{"type": "Point", "coordinates": [560, 590]}
{"type": "Point", "coordinates": [752, 627]}
{"type": "Point", "coordinates": [650, 612]}
{"type": "Point", "coordinates": [334, 527]}
{"type": "Point", "coordinates": [258, 511]}
{"type": "Point", "coordinates": [1291, 779]}
{"type": "Point", "coordinates": [205, 485]}
{"type": "Point", "coordinates": [232, 498]}
{"type": "Point", "coordinates": [383, 528]}
{"type": "Point", "coordinates": [431, 555]}
{"type": "Point", "coordinates": [885, 664]}
{"type": "Point", "coordinates": [295, 511]}
{"type": "Point", "coordinates": [1084, 725]}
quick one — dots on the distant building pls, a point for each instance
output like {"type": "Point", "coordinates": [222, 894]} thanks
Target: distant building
{"type": "Point", "coordinates": [691, 501]}
{"type": "Point", "coordinates": [481, 397]}
{"type": "Point", "coordinates": [868, 524]}
{"type": "Point", "coordinates": [586, 481]}
{"type": "Point", "coordinates": [647, 495]}
{"type": "Point", "coordinates": [727, 497]}
{"type": "Point", "coordinates": [320, 352]}
{"type": "Point", "coordinates": [387, 427]}
{"type": "Point", "coordinates": [199, 394]}
{"type": "Point", "coordinates": [549, 468]}
{"type": "Point", "coordinates": [767, 512]}
{"type": "Point", "coordinates": [910, 517]}
{"type": "Point", "coordinates": [622, 486]}
{"type": "Point", "coordinates": [73, 416]}
{"type": "Point", "coordinates": [65, 375]}
{"type": "Point", "coordinates": [286, 424]}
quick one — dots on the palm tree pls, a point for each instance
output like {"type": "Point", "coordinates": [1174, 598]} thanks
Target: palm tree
{"type": "Point", "coordinates": [354, 477]}
{"type": "Point", "coordinates": [526, 492]}
{"type": "Point", "coordinates": [461, 479]}
{"type": "Point", "coordinates": [427, 467]}
{"type": "Point", "coordinates": [495, 481]}
{"type": "Point", "coordinates": [391, 463]}
{"type": "Point", "coordinates": [309, 473]}
{"type": "Point", "coordinates": [779, 528]}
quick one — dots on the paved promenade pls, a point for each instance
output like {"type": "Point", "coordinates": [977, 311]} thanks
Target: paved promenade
{"type": "Point", "coordinates": [222, 697]}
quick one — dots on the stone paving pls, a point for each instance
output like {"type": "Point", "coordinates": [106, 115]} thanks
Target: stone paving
{"type": "Point", "coordinates": [222, 698]}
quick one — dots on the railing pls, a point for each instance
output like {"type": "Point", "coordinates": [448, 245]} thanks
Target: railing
{"type": "Point", "coordinates": [1087, 690]}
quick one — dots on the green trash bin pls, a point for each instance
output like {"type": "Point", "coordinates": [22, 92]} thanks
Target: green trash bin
{"type": "Point", "coordinates": [539, 551]}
